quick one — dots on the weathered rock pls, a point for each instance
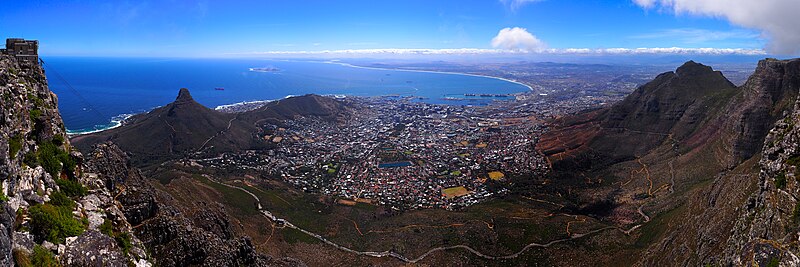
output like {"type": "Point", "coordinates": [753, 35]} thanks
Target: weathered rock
{"type": "Point", "coordinates": [93, 248]}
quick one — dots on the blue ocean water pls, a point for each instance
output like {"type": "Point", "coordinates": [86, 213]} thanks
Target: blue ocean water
{"type": "Point", "coordinates": [110, 88]}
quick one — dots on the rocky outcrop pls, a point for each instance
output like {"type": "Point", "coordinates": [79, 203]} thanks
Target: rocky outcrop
{"type": "Point", "coordinates": [174, 131]}
{"type": "Point", "coordinates": [744, 216]}
{"type": "Point", "coordinates": [770, 221]}
{"type": "Point", "coordinates": [35, 158]}
{"type": "Point", "coordinates": [173, 239]}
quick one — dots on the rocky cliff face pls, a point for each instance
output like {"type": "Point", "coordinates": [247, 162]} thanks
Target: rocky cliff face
{"type": "Point", "coordinates": [745, 214]}
{"type": "Point", "coordinates": [767, 229]}
{"type": "Point", "coordinates": [51, 209]}
{"type": "Point", "coordinates": [59, 206]}
{"type": "Point", "coordinates": [171, 237]}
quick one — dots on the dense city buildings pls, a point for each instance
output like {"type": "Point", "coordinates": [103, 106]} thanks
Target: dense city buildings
{"type": "Point", "coordinates": [406, 154]}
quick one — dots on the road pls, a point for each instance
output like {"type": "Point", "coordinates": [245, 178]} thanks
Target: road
{"type": "Point", "coordinates": [381, 254]}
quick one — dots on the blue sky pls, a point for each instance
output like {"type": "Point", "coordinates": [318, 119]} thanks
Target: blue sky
{"type": "Point", "coordinates": [214, 28]}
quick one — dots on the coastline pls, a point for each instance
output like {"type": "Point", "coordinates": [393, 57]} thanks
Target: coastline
{"type": "Point", "coordinates": [119, 120]}
{"type": "Point", "coordinates": [116, 121]}
{"type": "Point", "coordinates": [428, 71]}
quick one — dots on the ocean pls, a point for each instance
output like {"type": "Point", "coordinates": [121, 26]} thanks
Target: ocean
{"type": "Point", "coordinates": [97, 93]}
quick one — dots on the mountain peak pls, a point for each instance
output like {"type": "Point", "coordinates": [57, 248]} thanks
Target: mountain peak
{"type": "Point", "coordinates": [184, 96]}
{"type": "Point", "coordinates": [693, 68]}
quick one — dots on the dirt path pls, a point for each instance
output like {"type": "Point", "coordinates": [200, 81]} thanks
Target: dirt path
{"type": "Point", "coordinates": [380, 254]}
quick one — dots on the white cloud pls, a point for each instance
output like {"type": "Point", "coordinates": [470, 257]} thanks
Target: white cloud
{"type": "Point", "coordinates": [516, 4]}
{"type": "Point", "coordinates": [552, 51]}
{"type": "Point", "coordinates": [517, 39]}
{"type": "Point", "coordinates": [776, 19]}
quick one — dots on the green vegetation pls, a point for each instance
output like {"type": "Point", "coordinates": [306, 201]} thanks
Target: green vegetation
{"type": "Point", "coordinates": [71, 188]}
{"type": "Point", "coordinates": [780, 180]}
{"type": "Point", "coordinates": [293, 236]}
{"type": "Point", "coordinates": [43, 258]}
{"type": "Point", "coordinates": [653, 230]}
{"type": "Point", "coordinates": [124, 242]}
{"type": "Point", "coordinates": [21, 258]}
{"type": "Point", "coordinates": [30, 159]}
{"type": "Point", "coordinates": [54, 160]}
{"type": "Point", "coordinates": [35, 114]}
{"type": "Point", "coordinates": [123, 239]}
{"type": "Point", "coordinates": [14, 145]}
{"type": "Point", "coordinates": [774, 262]}
{"type": "Point", "coordinates": [793, 160]}
{"type": "Point", "coordinates": [3, 196]}
{"type": "Point", "coordinates": [53, 220]}
{"type": "Point", "coordinates": [241, 203]}
{"type": "Point", "coordinates": [37, 101]}
{"type": "Point", "coordinates": [106, 228]}
{"type": "Point", "coordinates": [58, 140]}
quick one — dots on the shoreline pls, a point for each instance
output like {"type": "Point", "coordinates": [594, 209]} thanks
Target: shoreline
{"type": "Point", "coordinates": [118, 120]}
{"type": "Point", "coordinates": [428, 71]}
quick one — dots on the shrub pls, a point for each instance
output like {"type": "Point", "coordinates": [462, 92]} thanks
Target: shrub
{"type": "Point", "coordinates": [794, 160]}
{"type": "Point", "coordinates": [3, 196]}
{"type": "Point", "coordinates": [14, 145]}
{"type": "Point", "coordinates": [58, 140]}
{"type": "Point", "coordinates": [35, 114]}
{"type": "Point", "coordinates": [106, 228]}
{"type": "Point", "coordinates": [796, 214]}
{"type": "Point", "coordinates": [54, 160]}
{"type": "Point", "coordinates": [774, 262]}
{"type": "Point", "coordinates": [21, 258]}
{"type": "Point", "coordinates": [61, 200]}
{"type": "Point", "coordinates": [30, 160]}
{"type": "Point", "coordinates": [780, 180]}
{"type": "Point", "coordinates": [53, 223]}
{"type": "Point", "coordinates": [124, 242]}
{"type": "Point", "coordinates": [71, 188]}
{"type": "Point", "coordinates": [43, 258]}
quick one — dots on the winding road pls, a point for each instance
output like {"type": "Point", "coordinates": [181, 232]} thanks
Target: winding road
{"type": "Point", "coordinates": [380, 254]}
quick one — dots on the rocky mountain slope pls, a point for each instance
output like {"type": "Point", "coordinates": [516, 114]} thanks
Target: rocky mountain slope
{"type": "Point", "coordinates": [61, 208]}
{"type": "Point", "coordinates": [682, 149]}
{"type": "Point", "coordinates": [172, 131]}
{"type": "Point", "coordinates": [52, 210]}
{"type": "Point", "coordinates": [185, 127]}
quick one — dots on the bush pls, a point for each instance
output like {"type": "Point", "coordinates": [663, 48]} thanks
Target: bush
{"type": "Point", "coordinates": [124, 242]}
{"type": "Point", "coordinates": [58, 140]}
{"type": "Point", "coordinates": [35, 114]}
{"type": "Point", "coordinates": [30, 160]}
{"type": "Point", "coordinates": [796, 214]}
{"type": "Point", "coordinates": [53, 223]}
{"type": "Point", "coordinates": [71, 188]}
{"type": "Point", "coordinates": [43, 258]}
{"type": "Point", "coordinates": [780, 180]}
{"type": "Point", "coordinates": [14, 145]}
{"type": "Point", "coordinates": [54, 160]}
{"type": "Point", "coordinates": [106, 228]}
{"type": "Point", "coordinates": [61, 200]}
{"type": "Point", "coordinates": [21, 258]}
{"type": "Point", "coordinates": [3, 196]}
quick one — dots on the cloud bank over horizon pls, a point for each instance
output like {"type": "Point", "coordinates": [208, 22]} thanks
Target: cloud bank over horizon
{"type": "Point", "coordinates": [775, 19]}
{"type": "Point", "coordinates": [550, 51]}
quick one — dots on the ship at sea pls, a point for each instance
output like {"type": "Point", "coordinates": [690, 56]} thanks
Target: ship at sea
{"type": "Point", "coordinates": [265, 69]}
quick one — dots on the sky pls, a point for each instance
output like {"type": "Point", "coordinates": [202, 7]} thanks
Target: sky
{"type": "Point", "coordinates": [239, 28]}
